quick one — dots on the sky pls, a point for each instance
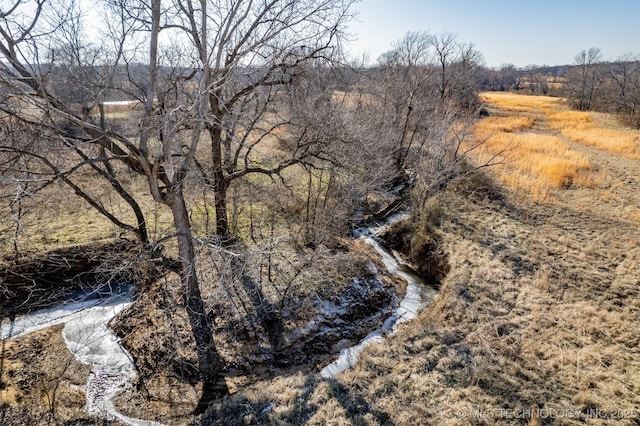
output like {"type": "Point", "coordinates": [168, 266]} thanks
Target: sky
{"type": "Point", "coordinates": [520, 32]}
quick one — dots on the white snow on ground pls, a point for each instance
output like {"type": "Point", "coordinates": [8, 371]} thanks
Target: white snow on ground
{"type": "Point", "coordinates": [417, 296]}
{"type": "Point", "coordinates": [119, 103]}
{"type": "Point", "coordinates": [60, 314]}
{"type": "Point", "coordinates": [91, 341]}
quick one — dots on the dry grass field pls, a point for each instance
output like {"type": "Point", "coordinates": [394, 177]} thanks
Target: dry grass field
{"type": "Point", "coordinates": [535, 138]}
{"type": "Point", "coordinates": [597, 130]}
{"type": "Point", "coordinates": [535, 324]}
{"type": "Point", "coordinates": [532, 160]}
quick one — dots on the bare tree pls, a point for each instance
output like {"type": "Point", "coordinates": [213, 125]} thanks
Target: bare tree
{"type": "Point", "coordinates": [612, 86]}
{"type": "Point", "coordinates": [466, 77]}
{"type": "Point", "coordinates": [411, 137]}
{"type": "Point", "coordinates": [622, 93]}
{"type": "Point", "coordinates": [398, 121]}
{"type": "Point", "coordinates": [407, 76]}
{"type": "Point", "coordinates": [418, 83]}
{"type": "Point", "coordinates": [445, 46]}
{"type": "Point", "coordinates": [504, 78]}
{"type": "Point", "coordinates": [212, 95]}
{"type": "Point", "coordinates": [584, 78]}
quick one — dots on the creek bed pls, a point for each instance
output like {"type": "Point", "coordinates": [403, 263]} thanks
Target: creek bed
{"type": "Point", "coordinates": [86, 333]}
{"type": "Point", "coordinates": [419, 293]}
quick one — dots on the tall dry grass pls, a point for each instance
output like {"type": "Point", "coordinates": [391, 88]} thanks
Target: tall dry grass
{"type": "Point", "coordinates": [522, 103]}
{"type": "Point", "coordinates": [530, 160]}
{"type": "Point", "coordinates": [586, 129]}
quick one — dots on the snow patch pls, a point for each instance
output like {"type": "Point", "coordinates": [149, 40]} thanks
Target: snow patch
{"type": "Point", "coordinates": [417, 296]}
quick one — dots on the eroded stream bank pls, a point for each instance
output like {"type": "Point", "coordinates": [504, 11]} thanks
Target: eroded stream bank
{"type": "Point", "coordinates": [418, 294]}
{"type": "Point", "coordinates": [112, 368]}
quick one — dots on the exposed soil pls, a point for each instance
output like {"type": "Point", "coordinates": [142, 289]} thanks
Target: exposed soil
{"type": "Point", "coordinates": [37, 281]}
{"type": "Point", "coordinates": [41, 382]}
{"type": "Point", "coordinates": [314, 324]}
{"type": "Point", "coordinates": [422, 248]}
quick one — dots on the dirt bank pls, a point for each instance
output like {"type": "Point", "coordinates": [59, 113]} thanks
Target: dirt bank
{"type": "Point", "coordinates": [41, 382]}
{"type": "Point", "coordinates": [315, 323]}
{"type": "Point", "coordinates": [40, 280]}
{"type": "Point", "coordinates": [355, 297]}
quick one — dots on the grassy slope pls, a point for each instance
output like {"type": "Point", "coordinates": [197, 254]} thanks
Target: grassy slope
{"type": "Point", "coordinates": [538, 314]}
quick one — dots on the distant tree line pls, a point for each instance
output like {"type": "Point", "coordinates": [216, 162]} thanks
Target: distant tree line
{"type": "Point", "coordinates": [597, 85]}
{"type": "Point", "coordinates": [589, 83]}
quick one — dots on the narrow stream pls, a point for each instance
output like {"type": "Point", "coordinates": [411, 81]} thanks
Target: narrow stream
{"type": "Point", "coordinates": [419, 293]}
{"type": "Point", "coordinates": [90, 340]}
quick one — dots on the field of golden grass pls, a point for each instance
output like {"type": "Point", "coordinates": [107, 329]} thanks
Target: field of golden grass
{"type": "Point", "coordinates": [597, 130]}
{"type": "Point", "coordinates": [531, 160]}
{"type": "Point", "coordinates": [531, 135]}
{"type": "Point", "coordinates": [543, 146]}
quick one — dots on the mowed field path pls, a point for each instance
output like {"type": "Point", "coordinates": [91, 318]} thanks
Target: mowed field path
{"type": "Point", "coordinates": [594, 231]}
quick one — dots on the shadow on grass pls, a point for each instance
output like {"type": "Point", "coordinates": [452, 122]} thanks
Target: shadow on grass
{"type": "Point", "coordinates": [239, 409]}
{"type": "Point", "coordinates": [355, 406]}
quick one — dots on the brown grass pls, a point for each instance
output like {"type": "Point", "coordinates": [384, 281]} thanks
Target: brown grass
{"type": "Point", "coordinates": [585, 128]}
{"type": "Point", "coordinates": [532, 161]}
{"type": "Point", "coordinates": [535, 317]}
{"type": "Point", "coordinates": [522, 103]}
{"type": "Point", "coordinates": [55, 217]}
{"type": "Point", "coordinates": [535, 324]}
{"type": "Point", "coordinates": [525, 322]}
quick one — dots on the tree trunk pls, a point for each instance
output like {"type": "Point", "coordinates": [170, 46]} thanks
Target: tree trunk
{"type": "Point", "coordinates": [443, 83]}
{"type": "Point", "coordinates": [150, 90]}
{"type": "Point", "coordinates": [220, 184]}
{"type": "Point", "coordinates": [222, 223]}
{"type": "Point", "coordinates": [214, 386]}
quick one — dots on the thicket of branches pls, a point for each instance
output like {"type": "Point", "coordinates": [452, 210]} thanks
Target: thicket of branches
{"type": "Point", "coordinates": [609, 86]}
{"type": "Point", "coordinates": [227, 96]}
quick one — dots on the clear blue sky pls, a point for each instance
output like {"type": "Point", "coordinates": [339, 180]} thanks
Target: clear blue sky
{"type": "Point", "coordinates": [521, 32]}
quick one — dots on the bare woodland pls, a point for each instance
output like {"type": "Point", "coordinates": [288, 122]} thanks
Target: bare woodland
{"type": "Point", "coordinates": [221, 92]}
{"type": "Point", "coordinates": [235, 145]}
